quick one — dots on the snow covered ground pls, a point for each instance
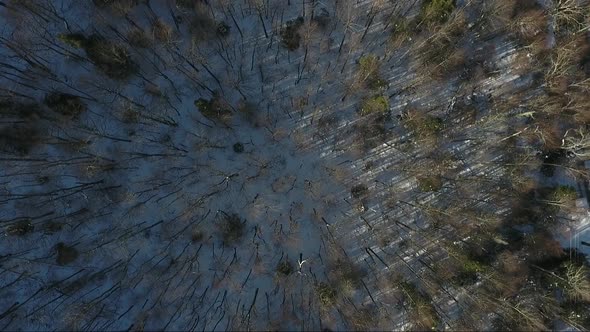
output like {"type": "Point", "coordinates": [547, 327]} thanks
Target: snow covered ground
{"type": "Point", "coordinates": [123, 208]}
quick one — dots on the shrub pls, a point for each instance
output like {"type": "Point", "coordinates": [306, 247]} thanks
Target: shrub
{"type": "Point", "coordinates": [76, 40]}
{"type": "Point", "coordinates": [347, 276]}
{"type": "Point", "coordinates": [138, 38]}
{"type": "Point", "coordinates": [285, 268]}
{"type": "Point", "coordinates": [436, 11]}
{"type": "Point", "coordinates": [369, 71]}
{"type": "Point", "coordinates": [322, 19]}
{"type": "Point", "coordinates": [202, 26]}
{"type": "Point", "coordinates": [66, 254]}
{"type": "Point", "coordinates": [369, 64]}
{"type": "Point", "coordinates": [375, 104]}
{"type": "Point", "coordinates": [422, 312]}
{"type": "Point", "coordinates": [162, 31]}
{"type": "Point", "coordinates": [249, 111]}
{"type": "Point", "coordinates": [214, 109]}
{"type": "Point", "coordinates": [371, 131]}
{"type": "Point", "coordinates": [577, 282]}
{"type": "Point", "coordinates": [563, 195]}
{"type": "Point", "coordinates": [197, 235]}
{"type": "Point", "coordinates": [363, 319]}
{"type": "Point", "coordinates": [430, 183]}
{"type": "Point", "coordinates": [232, 228]}
{"type": "Point", "coordinates": [290, 37]}
{"type": "Point", "coordinates": [111, 58]}
{"type": "Point", "coordinates": [400, 30]}
{"type": "Point", "coordinates": [422, 125]}
{"type": "Point", "coordinates": [188, 4]}
{"type": "Point", "coordinates": [222, 29]}
{"type": "Point", "coordinates": [326, 294]}
{"type": "Point", "coordinates": [238, 147]}
{"type": "Point", "coordinates": [19, 138]}
{"type": "Point", "coordinates": [359, 191]}
{"type": "Point", "coordinates": [65, 104]}
{"type": "Point", "coordinates": [130, 115]}
{"type": "Point", "coordinates": [120, 7]}
{"type": "Point", "coordinates": [20, 228]}
{"type": "Point", "coordinates": [442, 50]}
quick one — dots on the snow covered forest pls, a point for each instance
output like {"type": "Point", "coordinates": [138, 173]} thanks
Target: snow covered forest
{"type": "Point", "coordinates": [294, 165]}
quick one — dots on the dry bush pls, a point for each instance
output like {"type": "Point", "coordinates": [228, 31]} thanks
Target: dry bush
{"type": "Point", "coordinates": [202, 26]}
{"type": "Point", "coordinates": [435, 12]}
{"type": "Point", "coordinates": [577, 142]}
{"type": "Point", "coordinates": [530, 25]}
{"type": "Point", "coordinates": [374, 105]}
{"type": "Point", "coordinates": [110, 57]}
{"type": "Point", "coordinates": [421, 313]}
{"type": "Point", "coordinates": [20, 228]}
{"type": "Point", "coordinates": [577, 282]}
{"type": "Point", "coordinates": [440, 54]}
{"type": "Point", "coordinates": [118, 7]}
{"type": "Point", "coordinates": [68, 105]}
{"type": "Point", "coordinates": [532, 310]}
{"type": "Point", "coordinates": [363, 319]}
{"type": "Point", "coordinates": [564, 61]}
{"type": "Point", "coordinates": [370, 131]}
{"type": "Point", "coordinates": [113, 59]}
{"type": "Point", "coordinates": [346, 276]}
{"type": "Point", "coordinates": [401, 30]}
{"type": "Point", "coordinates": [571, 16]}
{"type": "Point", "coordinates": [65, 254]}
{"type": "Point", "coordinates": [326, 294]}
{"type": "Point", "coordinates": [231, 228]}
{"type": "Point", "coordinates": [215, 108]}
{"type": "Point", "coordinates": [162, 31]}
{"type": "Point", "coordinates": [421, 124]}
{"type": "Point", "coordinates": [511, 274]}
{"type": "Point", "coordinates": [290, 35]}
{"type": "Point", "coordinates": [578, 104]}
{"type": "Point", "coordinates": [138, 38]}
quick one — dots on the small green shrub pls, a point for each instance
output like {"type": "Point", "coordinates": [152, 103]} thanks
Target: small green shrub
{"type": "Point", "coordinates": [111, 58]}
{"type": "Point", "coordinates": [400, 26]}
{"type": "Point", "coordinates": [564, 194]}
{"type": "Point", "coordinates": [66, 254]}
{"type": "Point", "coordinates": [322, 19]}
{"type": "Point", "coordinates": [326, 294]}
{"type": "Point", "coordinates": [222, 29]}
{"type": "Point", "coordinates": [436, 11]}
{"type": "Point", "coordinates": [422, 313]}
{"type": "Point", "coordinates": [347, 276]}
{"type": "Point", "coordinates": [238, 147]}
{"type": "Point", "coordinates": [423, 125]}
{"type": "Point", "coordinates": [214, 109]}
{"type": "Point", "coordinates": [19, 138]}
{"type": "Point", "coordinates": [76, 40]}
{"type": "Point", "coordinates": [202, 26]}
{"type": "Point", "coordinates": [359, 191]}
{"type": "Point", "coordinates": [232, 228]}
{"type": "Point", "coordinates": [197, 235]}
{"type": "Point", "coordinates": [290, 37]}
{"type": "Point", "coordinates": [65, 104]}
{"type": "Point", "coordinates": [369, 64]}
{"type": "Point", "coordinates": [20, 228]}
{"type": "Point", "coordinates": [285, 268]}
{"type": "Point", "coordinates": [375, 104]}
{"type": "Point", "coordinates": [161, 31]}
{"type": "Point", "coordinates": [430, 183]}
{"type": "Point", "coordinates": [369, 70]}
{"type": "Point", "coordinates": [138, 38]}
